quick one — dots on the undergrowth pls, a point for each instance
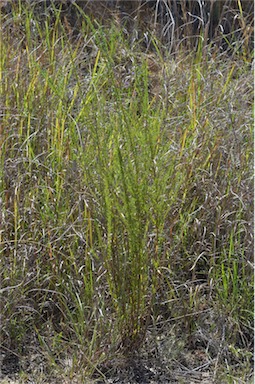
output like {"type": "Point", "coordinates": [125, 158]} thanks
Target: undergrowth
{"type": "Point", "coordinates": [126, 194]}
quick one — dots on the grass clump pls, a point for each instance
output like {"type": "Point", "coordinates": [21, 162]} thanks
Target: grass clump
{"type": "Point", "coordinates": [126, 192]}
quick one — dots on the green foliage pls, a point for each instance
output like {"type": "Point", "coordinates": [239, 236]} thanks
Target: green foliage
{"type": "Point", "coordinates": [118, 195]}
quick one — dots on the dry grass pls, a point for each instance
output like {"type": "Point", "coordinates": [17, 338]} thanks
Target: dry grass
{"type": "Point", "coordinates": [127, 202]}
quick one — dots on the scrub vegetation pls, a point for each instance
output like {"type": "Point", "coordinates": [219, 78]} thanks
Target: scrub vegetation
{"type": "Point", "coordinates": [126, 201]}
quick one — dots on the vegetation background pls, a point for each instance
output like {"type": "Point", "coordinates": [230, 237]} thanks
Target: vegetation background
{"type": "Point", "coordinates": [126, 191]}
